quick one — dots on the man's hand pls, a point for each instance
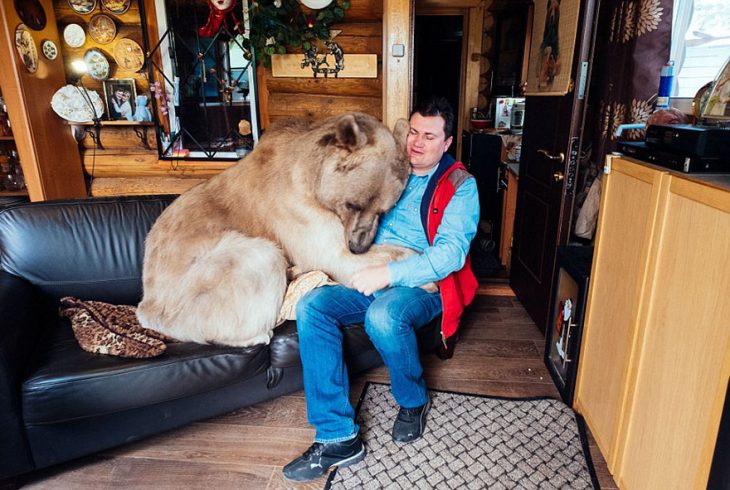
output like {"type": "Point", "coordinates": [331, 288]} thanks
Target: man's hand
{"type": "Point", "coordinates": [371, 279]}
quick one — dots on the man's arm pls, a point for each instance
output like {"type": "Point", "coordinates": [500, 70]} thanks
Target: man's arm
{"type": "Point", "coordinates": [446, 255]}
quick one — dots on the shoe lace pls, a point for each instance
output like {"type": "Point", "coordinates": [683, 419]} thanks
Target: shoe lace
{"type": "Point", "coordinates": [315, 449]}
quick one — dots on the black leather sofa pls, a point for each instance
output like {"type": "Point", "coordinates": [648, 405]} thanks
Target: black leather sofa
{"type": "Point", "coordinates": [58, 402]}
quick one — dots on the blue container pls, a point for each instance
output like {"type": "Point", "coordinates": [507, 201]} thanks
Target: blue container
{"type": "Point", "coordinates": [666, 82]}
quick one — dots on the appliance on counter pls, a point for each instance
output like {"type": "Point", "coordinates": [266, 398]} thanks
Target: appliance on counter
{"type": "Point", "coordinates": [563, 338]}
{"type": "Point", "coordinates": [686, 148]}
{"type": "Point", "coordinates": [517, 118]}
{"type": "Point", "coordinates": [503, 107]}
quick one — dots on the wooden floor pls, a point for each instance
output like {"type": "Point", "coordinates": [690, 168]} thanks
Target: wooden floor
{"type": "Point", "coordinates": [500, 353]}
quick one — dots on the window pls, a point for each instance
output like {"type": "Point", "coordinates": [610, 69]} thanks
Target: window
{"type": "Point", "coordinates": [700, 43]}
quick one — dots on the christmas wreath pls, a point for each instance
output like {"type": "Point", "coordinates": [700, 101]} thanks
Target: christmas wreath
{"type": "Point", "coordinates": [278, 26]}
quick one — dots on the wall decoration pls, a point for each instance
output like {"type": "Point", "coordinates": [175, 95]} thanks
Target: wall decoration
{"type": "Point", "coordinates": [102, 29]}
{"type": "Point", "coordinates": [128, 55]}
{"type": "Point", "coordinates": [74, 35]}
{"type": "Point", "coordinates": [50, 50]}
{"type": "Point", "coordinates": [70, 103]}
{"type": "Point", "coordinates": [26, 48]}
{"type": "Point", "coordinates": [82, 6]}
{"type": "Point", "coordinates": [718, 103]}
{"type": "Point", "coordinates": [96, 64]}
{"type": "Point", "coordinates": [121, 98]}
{"type": "Point", "coordinates": [221, 13]}
{"type": "Point", "coordinates": [333, 62]}
{"type": "Point", "coordinates": [278, 27]}
{"type": "Point", "coordinates": [555, 26]}
{"type": "Point", "coordinates": [31, 13]}
{"type": "Point", "coordinates": [316, 4]}
{"type": "Point", "coordinates": [117, 7]}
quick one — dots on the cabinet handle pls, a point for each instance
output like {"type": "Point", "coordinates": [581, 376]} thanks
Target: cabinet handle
{"type": "Point", "coordinates": [560, 157]}
{"type": "Point", "coordinates": [558, 176]}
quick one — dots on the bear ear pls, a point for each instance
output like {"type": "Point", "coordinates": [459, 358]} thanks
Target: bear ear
{"type": "Point", "coordinates": [348, 134]}
{"type": "Point", "coordinates": [400, 133]}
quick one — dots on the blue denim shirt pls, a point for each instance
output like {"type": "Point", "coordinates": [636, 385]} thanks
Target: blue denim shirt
{"type": "Point", "coordinates": [402, 226]}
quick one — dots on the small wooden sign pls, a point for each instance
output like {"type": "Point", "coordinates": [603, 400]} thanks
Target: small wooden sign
{"type": "Point", "coordinates": [355, 66]}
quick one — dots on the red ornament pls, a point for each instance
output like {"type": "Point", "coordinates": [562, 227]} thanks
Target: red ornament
{"type": "Point", "coordinates": [310, 21]}
{"type": "Point", "coordinates": [221, 12]}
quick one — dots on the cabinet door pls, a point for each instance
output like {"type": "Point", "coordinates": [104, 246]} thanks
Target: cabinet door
{"type": "Point", "coordinates": [629, 205]}
{"type": "Point", "coordinates": [681, 378]}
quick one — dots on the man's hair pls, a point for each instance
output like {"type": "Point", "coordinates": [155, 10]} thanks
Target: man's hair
{"type": "Point", "coordinates": [437, 106]}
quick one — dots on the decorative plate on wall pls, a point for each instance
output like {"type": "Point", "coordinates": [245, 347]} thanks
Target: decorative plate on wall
{"type": "Point", "coordinates": [26, 48]}
{"type": "Point", "coordinates": [71, 104]}
{"type": "Point", "coordinates": [102, 29]}
{"type": "Point", "coordinates": [82, 6]}
{"type": "Point", "coordinates": [96, 64]}
{"type": "Point", "coordinates": [50, 51]}
{"type": "Point", "coordinates": [31, 13]}
{"type": "Point", "coordinates": [129, 55]}
{"type": "Point", "coordinates": [74, 35]}
{"type": "Point", "coordinates": [116, 6]}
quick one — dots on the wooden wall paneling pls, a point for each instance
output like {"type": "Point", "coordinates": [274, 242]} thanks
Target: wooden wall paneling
{"type": "Point", "coordinates": [366, 87]}
{"type": "Point", "coordinates": [471, 63]}
{"type": "Point", "coordinates": [364, 10]}
{"type": "Point", "coordinates": [314, 106]}
{"type": "Point", "coordinates": [130, 186]}
{"type": "Point", "coordinates": [398, 20]}
{"type": "Point", "coordinates": [46, 147]}
{"type": "Point", "coordinates": [120, 163]}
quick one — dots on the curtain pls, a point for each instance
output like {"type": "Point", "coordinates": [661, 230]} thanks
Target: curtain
{"type": "Point", "coordinates": [632, 44]}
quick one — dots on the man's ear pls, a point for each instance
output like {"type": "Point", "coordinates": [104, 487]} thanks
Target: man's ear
{"type": "Point", "coordinates": [348, 134]}
{"type": "Point", "coordinates": [400, 133]}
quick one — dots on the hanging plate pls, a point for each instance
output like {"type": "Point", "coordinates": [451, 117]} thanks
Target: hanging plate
{"type": "Point", "coordinates": [50, 50]}
{"type": "Point", "coordinates": [129, 55]}
{"type": "Point", "coordinates": [74, 35]}
{"type": "Point", "coordinates": [117, 7]}
{"type": "Point", "coordinates": [26, 48]}
{"type": "Point", "coordinates": [72, 105]}
{"type": "Point", "coordinates": [31, 13]}
{"type": "Point", "coordinates": [96, 64]}
{"type": "Point", "coordinates": [82, 6]}
{"type": "Point", "coordinates": [102, 29]}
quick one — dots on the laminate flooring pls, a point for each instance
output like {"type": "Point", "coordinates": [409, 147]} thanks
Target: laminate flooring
{"type": "Point", "coordinates": [500, 353]}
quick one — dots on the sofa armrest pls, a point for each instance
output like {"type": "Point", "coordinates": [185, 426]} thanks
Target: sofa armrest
{"type": "Point", "coordinates": [19, 331]}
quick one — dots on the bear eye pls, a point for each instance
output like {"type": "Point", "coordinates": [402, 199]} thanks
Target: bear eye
{"type": "Point", "coordinates": [353, 207]}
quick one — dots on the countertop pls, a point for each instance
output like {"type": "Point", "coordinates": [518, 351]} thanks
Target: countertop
{"type": "Point", "coordinates": [721, 181]}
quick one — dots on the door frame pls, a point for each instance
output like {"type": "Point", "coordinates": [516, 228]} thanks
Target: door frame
{"type": "Point", "coordinates": [398, 73]}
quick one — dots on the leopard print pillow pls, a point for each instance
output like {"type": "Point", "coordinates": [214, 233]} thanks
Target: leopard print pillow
{"type": "Point", "coordinates": [102, 328]}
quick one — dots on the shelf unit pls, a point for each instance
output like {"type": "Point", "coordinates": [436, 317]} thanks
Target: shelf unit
{"type": "Point", "coordinates": [5, 142]}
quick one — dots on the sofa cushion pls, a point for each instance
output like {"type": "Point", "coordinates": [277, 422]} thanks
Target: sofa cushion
{"type": "Point", "coordinates": [91, 249]}
{"type": "Point", "coordinates": [68, 383]}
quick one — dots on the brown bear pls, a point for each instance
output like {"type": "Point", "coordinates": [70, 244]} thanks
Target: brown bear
{"type": "Point", "coordinates": [309, 195]}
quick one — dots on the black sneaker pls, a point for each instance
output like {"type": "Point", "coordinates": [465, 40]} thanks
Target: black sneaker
{"type": "Point", "coordinates": [316, 460]}
{"type": "Point", "coordinates": [410, 423]}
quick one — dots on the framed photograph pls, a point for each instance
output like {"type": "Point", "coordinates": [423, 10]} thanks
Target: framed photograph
{"type": "Point", "coordinates": [121, 96]}
{"type": "Point", "coordinates": [554, 27]}
{"type": "Point", "coordinates": [718, 103]}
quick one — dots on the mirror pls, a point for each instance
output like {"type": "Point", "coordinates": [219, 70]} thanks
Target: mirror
{"type": "Point", "coordinates": [203, 80]}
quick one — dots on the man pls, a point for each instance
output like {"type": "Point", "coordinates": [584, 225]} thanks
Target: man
{"type": "Point", "coordinates": [437, 215]}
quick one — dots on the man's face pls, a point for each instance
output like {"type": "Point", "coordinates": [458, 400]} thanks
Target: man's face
{"type": "Point", "coordinates": [426, 142]}
{"type": "Point", "coordinates": [119, 93]}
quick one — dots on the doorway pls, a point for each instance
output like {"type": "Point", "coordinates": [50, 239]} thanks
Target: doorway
{"type": "Point", "coordinates": [437, 66]}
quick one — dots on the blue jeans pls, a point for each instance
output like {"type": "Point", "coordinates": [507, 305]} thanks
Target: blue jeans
{"type": "Point", "coordinates": [391, 320]}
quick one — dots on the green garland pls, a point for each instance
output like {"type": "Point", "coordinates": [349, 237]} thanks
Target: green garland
{"type": "Point", "coordinates": [279, 26]}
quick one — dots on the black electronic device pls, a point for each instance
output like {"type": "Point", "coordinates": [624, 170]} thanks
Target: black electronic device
{"type": "Point", "coordinates": [674, 160]}
{"type": "Point", "coordinates": [695, 141]}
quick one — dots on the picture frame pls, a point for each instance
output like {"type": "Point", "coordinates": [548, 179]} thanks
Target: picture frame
{"type": "Point", "coordinates": [120, 96]}
{"type": "Point", "coordinates": [718, 102]}
{"type": "Point", "coordinates": [555, 27]}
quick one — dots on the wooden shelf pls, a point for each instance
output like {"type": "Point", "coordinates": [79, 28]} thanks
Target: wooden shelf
{"type": "Point", "coordinates": [7, 138]}
{"type": "Point", "coordinates": [112, 123]}
{"type": "Point", "coordinates": [13, 193]}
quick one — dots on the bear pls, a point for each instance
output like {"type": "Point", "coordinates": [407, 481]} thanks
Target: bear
{"type": "Point", "coordinates": [309, 196]}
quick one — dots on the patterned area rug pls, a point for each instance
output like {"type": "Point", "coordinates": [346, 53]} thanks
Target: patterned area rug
{"type": "Point", "coordinates": [473, 442]}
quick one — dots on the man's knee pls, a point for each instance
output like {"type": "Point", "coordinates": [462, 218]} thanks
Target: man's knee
{"type": "Point", "coordinates": [384, 319]}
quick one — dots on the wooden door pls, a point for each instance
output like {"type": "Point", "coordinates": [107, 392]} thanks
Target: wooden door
{"type": "Point", "coordinates": [550, 148]}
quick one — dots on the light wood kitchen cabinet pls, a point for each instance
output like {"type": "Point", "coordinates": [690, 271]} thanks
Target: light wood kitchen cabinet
{"type": "Point", "coordinates": [655, 359]}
